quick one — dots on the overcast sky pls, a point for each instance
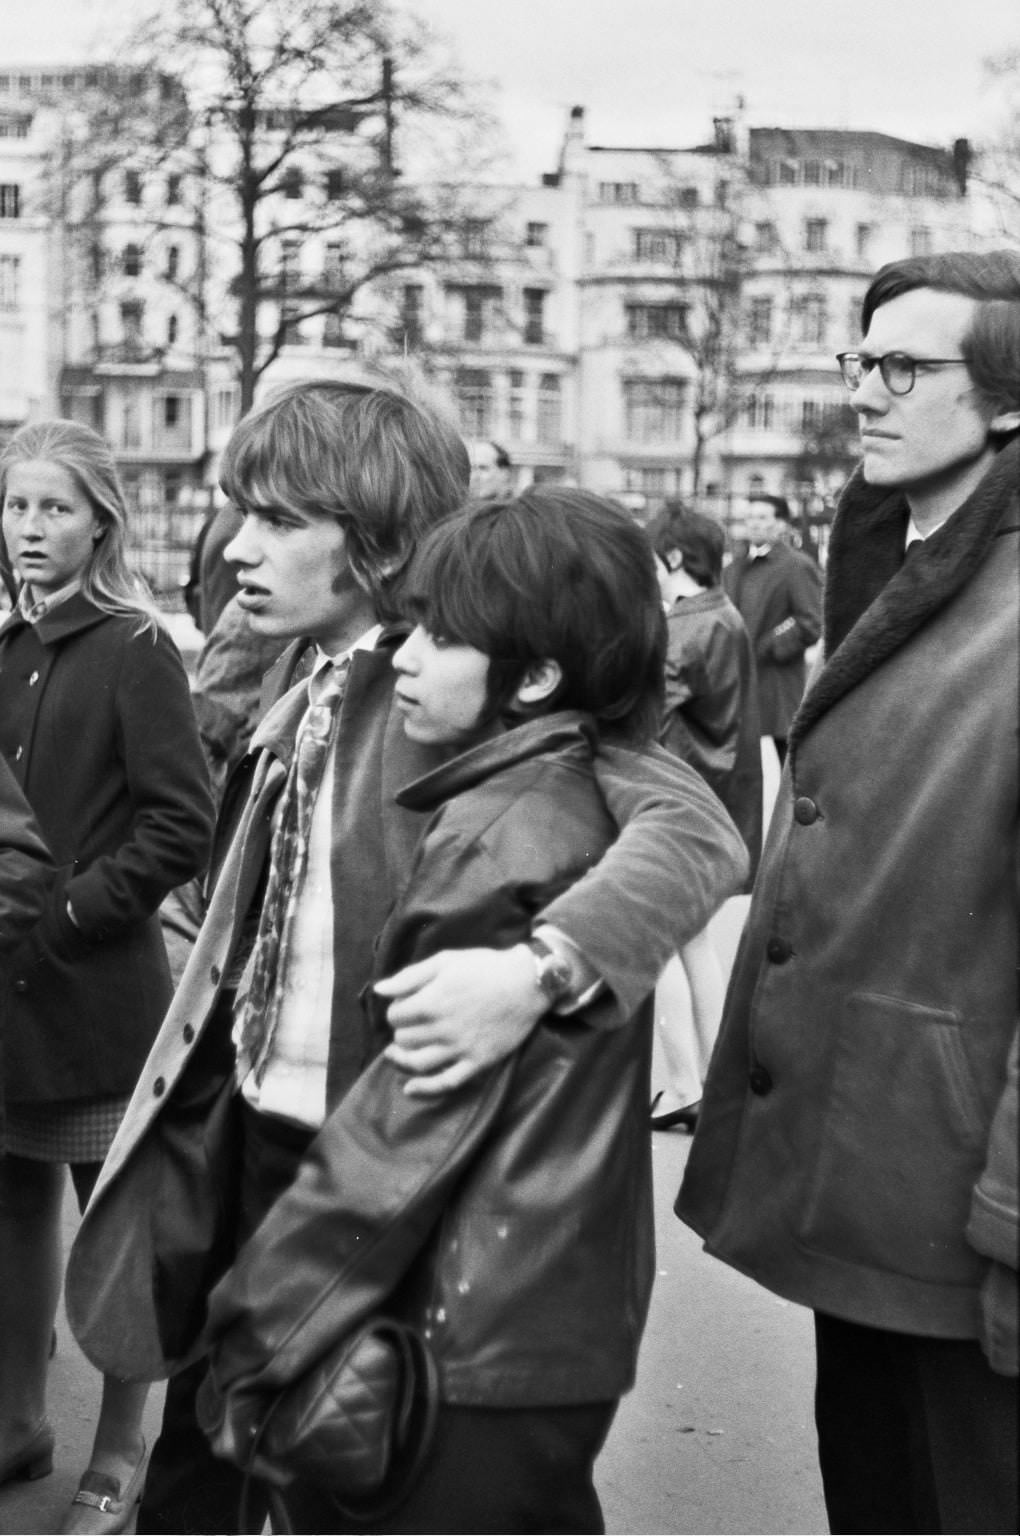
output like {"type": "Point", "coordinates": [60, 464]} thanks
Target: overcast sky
{"type": "Point", "coordinates": [656, 71]}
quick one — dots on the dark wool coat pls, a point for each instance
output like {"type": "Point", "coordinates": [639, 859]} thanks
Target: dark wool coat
{"type": "Point", "coordinates": [769, 592]}
{"type": "Point", "coordinates": [97, 723]}
{"type": "Point", "coordinates": [710, 717]}
{"type": "Point", "coordinates": [26, 869]}
{"type": "Point", "coordinates": [856, 1149]}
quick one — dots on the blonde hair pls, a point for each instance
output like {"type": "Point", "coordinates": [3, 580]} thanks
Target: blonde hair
{"type": "Point", "coordinates": [107, 580]}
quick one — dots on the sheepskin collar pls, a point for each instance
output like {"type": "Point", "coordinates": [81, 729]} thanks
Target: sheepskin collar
{"type": "Point", "coordinates": [873, 601]}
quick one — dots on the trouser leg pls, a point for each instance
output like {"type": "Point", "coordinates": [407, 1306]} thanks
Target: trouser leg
{"type": "Point", "coordinates": [914, 1434]}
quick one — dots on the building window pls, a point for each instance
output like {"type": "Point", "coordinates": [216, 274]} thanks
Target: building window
{"type": "Point", "coordinates": [475, 242]}
{"type": "Point", "coordinates": [620, 192]}
{"type": "Point", "coordinates": [759, 327]}
{"type": "Point", "coordinates": [172, 329]}
{"type": "Point", "coordinates": [96, 261]}
{"type": "Point", "coordinates": [292, 183]}
{"type": "Point", "coordinates": [171, 411]}
{"type": "Point", "coordinates": [536, 235]}
{"type": "Point", "coordinates": [131, 313]}
{"type": "Point", "coordinates": [759, 413]}
{"type": "Point", "coordinates": [478, 304]}
{"type": "Point", "coordinates": [653, 410]}
{"type": "Point", "coordinates": [812, 417]}
{"type": "Point", "coordinates": [862, 239]}
{"type": "Point", "coordinates": [10, 273]}
{"type": "Point", "coordinates": [412, 306]}
{"type": "Point", "coordinates": [225, 407]}
{"type": "Point", "coordinates": [816, 233]}
{"type": "Point", "coordinates": [173, 188]}
{"type": "Point", "coordinates": [788, 170]}
{"type": "Point", "coordinates": [173, 258]}
{"type": "Point", "coordinates": [132, 428]}
{"type": "Point", "coordinates": [333, 329]}
{"type": "Point", "coordinates": [920, 241]}
{"type": "Point", "coordinates": [473, 388]}
{"type": "Point", "coordinates": [766, 238]}
{"type": "Point", "coordinates": [812, 173]}
{"type": "Point", "coordinates": [10, 200]}
{"type": "Point", "coordinates": [335, 183]}
{"type": "Point", "coordinates": [658, 245]}
{"type": "Point", "coordinates": [172, 483]}
{"type": "Point", "coordinates": [534, 316]}
{"type": "Point", "coordinates": [656, 322]}
{"type": "Point", "coordinates": [549, 410]}
{"type": "Point", "coordinates": [132, 261]}
{"type": "Point", "coordinates": [516, 404]}
{"type": "Point", "coordinates": [333, 263]}
{"type": "Point", "coordinates": [835, 173]}
{"type": "Point", "coordinates": [688, 198]}
{"type": "Point", "coordinates": [132, 187]}
{"type": "Point", "coordinates": [809, 320]}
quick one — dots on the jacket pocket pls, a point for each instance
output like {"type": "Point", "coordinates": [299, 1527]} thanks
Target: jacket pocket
{"type": "Point", "coordinates": [902, 1143]}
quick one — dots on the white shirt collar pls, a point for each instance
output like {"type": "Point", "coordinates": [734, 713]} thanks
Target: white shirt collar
{"type": "Point", "coordinates": [33, 609]}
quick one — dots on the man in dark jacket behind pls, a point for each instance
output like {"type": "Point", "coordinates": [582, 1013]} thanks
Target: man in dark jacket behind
{"type": "Point", "coordinates": [857, 1147]}
{"type": "Point", "coordinates": [777, 592]}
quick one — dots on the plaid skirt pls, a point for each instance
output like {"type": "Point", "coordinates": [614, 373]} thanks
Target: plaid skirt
{"type": "Point", "coordinates": [71, 1131]}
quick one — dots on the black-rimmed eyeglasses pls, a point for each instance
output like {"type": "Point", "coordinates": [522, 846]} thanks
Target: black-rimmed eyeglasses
{"type": "Point", "coordinates": [898, 369]}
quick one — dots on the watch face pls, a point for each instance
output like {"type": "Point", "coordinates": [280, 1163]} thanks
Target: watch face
{"type": "Point", "coordinates": [551, 972]}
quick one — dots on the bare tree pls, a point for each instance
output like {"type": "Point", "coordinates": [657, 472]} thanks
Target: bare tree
{"type": "Point", "coordinates": [997, 162]}
{"type": "Point", "coordinates": [715, 264]}
{"type": "Point", "coordinates": [285, 121]}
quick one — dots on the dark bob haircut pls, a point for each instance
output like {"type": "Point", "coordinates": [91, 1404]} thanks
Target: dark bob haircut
{"type": "Point", "coordinates": [700, 539]}
{"type": "Point", "coordinates": [991, 348]}
{"type": "Point", "coordinates": [553, 573]}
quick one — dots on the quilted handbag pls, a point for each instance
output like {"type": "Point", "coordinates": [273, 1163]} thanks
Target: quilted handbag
{"type": "Point", "coordinates": [358, 1424]}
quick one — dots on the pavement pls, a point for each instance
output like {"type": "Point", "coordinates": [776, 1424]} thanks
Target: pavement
{"type": "Point", "coordinates": [715, 1437]}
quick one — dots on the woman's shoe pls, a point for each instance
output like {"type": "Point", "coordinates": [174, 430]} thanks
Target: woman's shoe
{"type": "Point", "coordinates": [687, 1117]}
{"type": "Point", "coordinates": [34, 1459]}
{"type": "Point", "coordinates": [99, 1508]}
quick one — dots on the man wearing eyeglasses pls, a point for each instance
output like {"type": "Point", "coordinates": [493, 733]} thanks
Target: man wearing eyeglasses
{"type": "Point", "coordinates": [857, 1144]}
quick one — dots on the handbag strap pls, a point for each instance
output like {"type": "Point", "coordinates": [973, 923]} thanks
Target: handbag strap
{"type": "Point", "coordinates": [416, 1416]}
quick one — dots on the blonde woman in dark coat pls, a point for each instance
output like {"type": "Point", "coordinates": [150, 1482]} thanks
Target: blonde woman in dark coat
{"type": "Point", "coordinates": [96, 722]}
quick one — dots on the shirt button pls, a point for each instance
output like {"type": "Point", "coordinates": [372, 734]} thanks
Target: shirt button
{"type": "Point", "coordinates": [21, 985]}
{"type": "Point", "coordinates": [159, 1087]}
{"type": "Point", "coordinates": [805, 810]}
{"type": "Point", "coordinates": [779, 951]}
{"type": "Point", "coordinates": [18, 754]}
{"type": "Point", "coordinates": [761, 1081]}
{"type": "Point", "coordinates": [188, 1033]}
{"type": "Point", "coordinates": [33, 679]}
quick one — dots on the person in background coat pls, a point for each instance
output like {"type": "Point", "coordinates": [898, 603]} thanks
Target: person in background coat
{"type": "Point", "coordinates": [857, 1146]}
{"type": "Point", "coordinates": [96, 721]}
{"type": "Point", "coordinates": [777, 591]}
{"type": "Point", "coordinates": [710, 720]}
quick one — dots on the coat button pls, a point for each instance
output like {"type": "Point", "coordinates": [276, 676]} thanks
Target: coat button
{"type": "Point", "coordinates": [19, 754]}
{"type": "Point", "coordinates": [761, 1081]}
{"type": "Point", "coordinates": [33, 679]}
{"type": "Point", "coordinates": [214, 975]}
{"type": "Point", "coordinates": [805, 810]}
{"type": "Point", "coordinates": [188, 1033]}
{"type": "Point", "coordinates": [21, 985]}
{"type": "Point", "coordinates": [779, 951]}
{"type": "Point", "coordinates": [159, 1087]}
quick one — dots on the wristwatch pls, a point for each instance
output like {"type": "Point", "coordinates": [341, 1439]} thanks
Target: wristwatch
{"type": "Point", "coordinates": [553, 974]}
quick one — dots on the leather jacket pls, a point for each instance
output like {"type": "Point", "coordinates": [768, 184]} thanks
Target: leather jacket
{"type": "Point", "coordinates": [510, 1220]}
